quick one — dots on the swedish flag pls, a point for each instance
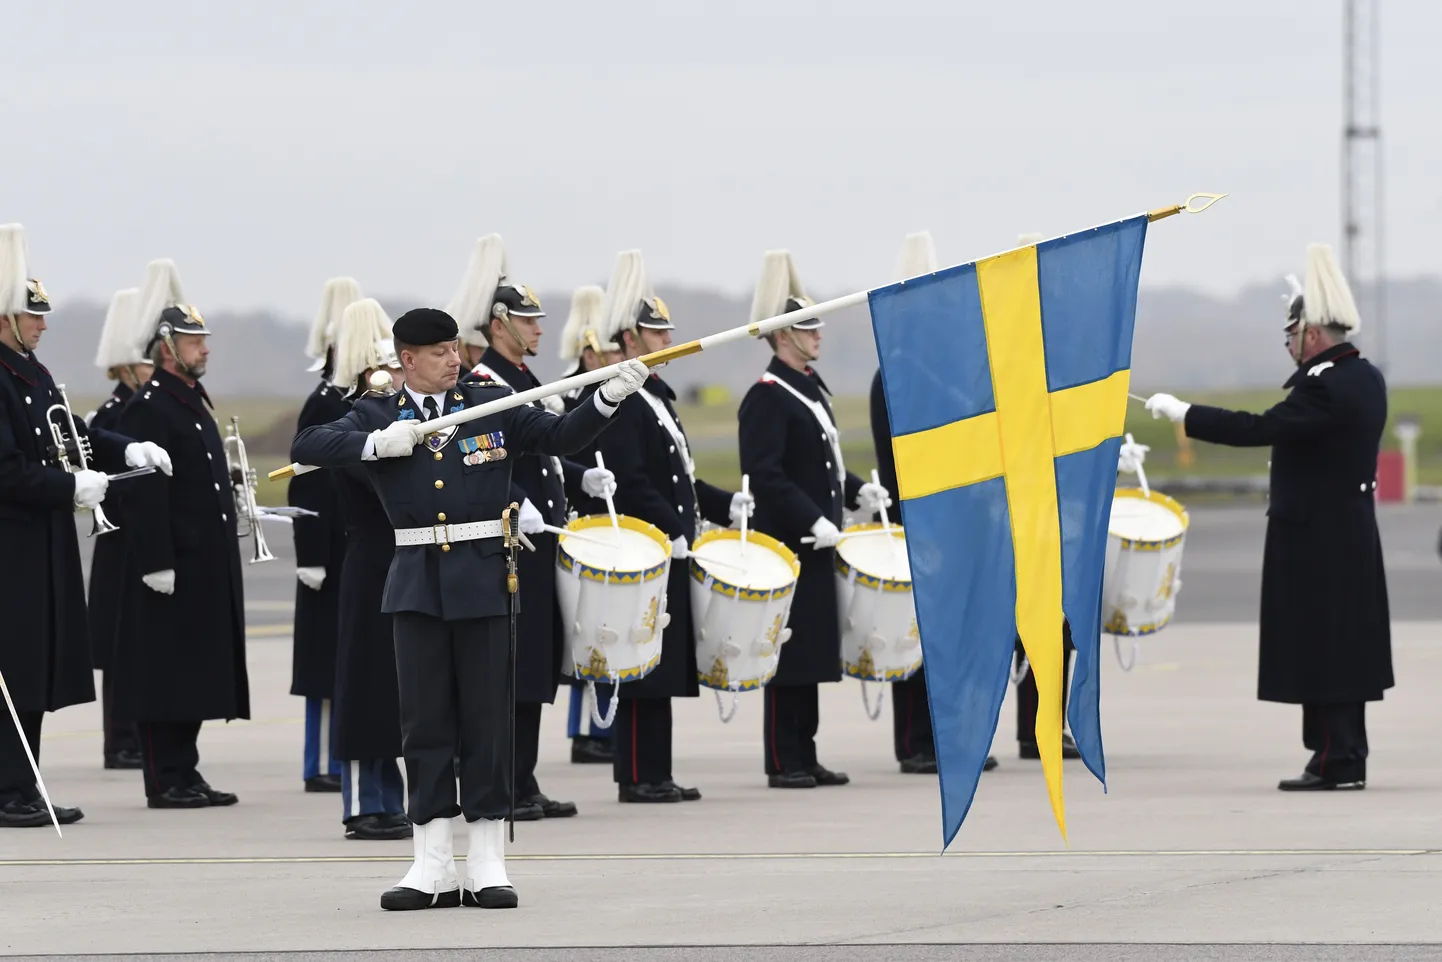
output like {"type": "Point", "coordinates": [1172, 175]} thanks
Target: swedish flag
{"type": "Point", "coordinates": [1006, 385]}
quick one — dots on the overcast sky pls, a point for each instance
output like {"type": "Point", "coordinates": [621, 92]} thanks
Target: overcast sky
{"type": "Point", "coordinates": [268, 145]}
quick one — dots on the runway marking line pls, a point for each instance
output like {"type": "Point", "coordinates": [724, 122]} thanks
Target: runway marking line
{"type": "Point", "coordinates": [743, 856]}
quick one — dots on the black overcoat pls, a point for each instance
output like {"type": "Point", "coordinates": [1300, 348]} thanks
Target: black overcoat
{"type": "Point", "coordinates": [181, 657]}
{"type": "Point", "coordinates": [319, 543]}
{"type": "Point", "coordinates": [434, 486]}
{"type": "Point", "coordinates": [1325, 626]}
{"type": "Point", "coordinates": [652, 485]}
{"type": "Point", "coordinates": [367, 699]}
{"type": "Point", "coordinates": [795, 481]}
{"type": "Point", "coordinates": [546, 481]}
{"type": "Point", "coordinates": [107, 560]}
{"type": "Point", "coordinates": [44, 639]}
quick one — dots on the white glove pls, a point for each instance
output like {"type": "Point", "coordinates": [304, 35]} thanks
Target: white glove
{"type": "Point", "coordinates": [827, 534]}
{"type": "Point", "coordinates": [598, 483]}
{"type": "Point", "coordinates": [90, 488]}
{"type": "Point", "coordinates": [554, 404]}
{"type": "Point", "coordinates": [312, 578]}
{"type": "Point", "coordinates": [628, 380]}
{"type": "Point", "coordinates": [147, 454]}
{"type": "Point", "coordinates": [680, 551]}
{"type": "Point", "coordinates": [531, 520]}
{"type": "Point", "coordinates": [1131, 456]}
{"type": "Point", "coordinates": [161, 581]}
{"type": "Point", "coordinates": [743, 505]}
{"type": "Point", "coordinates": [398, 440]}
{"type": "Point", "coordinates": [1166, 406]}
{"type": "Point", "coordinates": [872, 498]}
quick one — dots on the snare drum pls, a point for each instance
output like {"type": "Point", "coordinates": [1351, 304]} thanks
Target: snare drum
{"type": "Point", "coordinates": [1144, 557]}
{"type": "Point", "coordinates": [740, 599]}
{"type": "Point", "coordinates": [879, 638]}
{"type": "Point", "coordinates": [612, 591]}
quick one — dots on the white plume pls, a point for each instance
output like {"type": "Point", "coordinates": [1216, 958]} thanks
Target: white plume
{"type": "Point", "coordinates": [338, 294]}
{"type": "Point", "coordinates": [471, 303]}
{"type": "Point", "coordinates": [118, 336]}
{"type": "Point", "coordinates": [14, 270]}
{"type": "Point", "coordinates": [917, 257]}
{"type": "Point", "coordinates": [362, 328]}
{"type": "Point", "coordinates": [629, 286]}
{"type": "Point", "coordinates": [1327, 299]}
{"type": "Point", "coordinates": [161, 290]}
{"type": "Point", "coordinates": [586, 304]}
{"type": "Point", "coordinates": [779, 280]}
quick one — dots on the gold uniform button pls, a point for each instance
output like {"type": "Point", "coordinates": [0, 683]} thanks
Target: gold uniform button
{"type": "Point", "coordinates": [437, 455]}
{"type": "Point", "coordinates": [445, 547]}
{"type": "Point", "coordinates": [441, 516]}
{"type": "Point", "coordinates": [440, 484]}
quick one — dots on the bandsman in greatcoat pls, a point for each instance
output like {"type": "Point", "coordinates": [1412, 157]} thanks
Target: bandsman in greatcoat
{"type": "Point", "coordinates": [319, 547]}
{"type": "Point", "coordinates": [447, 592]}
{"type": "Point", "coordinates": [504, 315]}
{"type": "Point", "coordinates": [180, 652]}
{"type": "Point", "coordinates": [656, 482]}
{"type": "Point", "coordinates": [1325, 626]}
{"type": "Point", "coordinates": [367, 703]}
{"type": "Point", "coordinates": [791, 448]}
{"type": "Point", "coordinates": [582, 350]}
{"type": "Point", "coordinates": [45, 647]}
{"type": "Point", "coordinates": [125, 363]}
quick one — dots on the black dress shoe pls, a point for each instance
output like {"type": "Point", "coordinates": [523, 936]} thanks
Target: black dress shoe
{"type": "Point", "coordinates": [919, 764]}
{"type": "Point", "coordinates": [401, 899]}
{"type": "Point", "coordinates": [323, 783]}
{"type": "Point", "coordinates": [495, 897]}
{"type": "Point", "coordinates": [824, 776]}
{"type": "Point", "coordinates": [179, 798]}
{"type": "Point", "coordinates": [551, 808]}
{"type": "Point", "coordinates": [1316, 783]}
{"type": "Point", "coordinates": [124, 759]}
{"type": "Point", "coordinates": [645, 792]}
{"type": "Point", "coordinates": [22, 814]}
{"type": "Point", "coordinates": [63, 815]}
{"type": "Point", "coordinates": [990, 763]}
{"type": "Point", "coordinates": [1068, 749]}
{"type": "Point", "coordinates": [217, 799]}
{"type": "Point", "coordinates": [590, 751]}
{"type": "Point", "coordinates": [687, 794]}
{"type": "Point", "coordinates": [400, 819]}
{"type": "Point", "coordinates": [376, 828]}
{"type": "Point", "coordinates": [791, 780]}
{"type": "Point", "coordinates": [528, 811]}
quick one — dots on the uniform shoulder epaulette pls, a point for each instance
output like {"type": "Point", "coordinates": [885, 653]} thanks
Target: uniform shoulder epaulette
{"type": "Point", "coordinates": [1316, 369]}
{"type": "Point", "coordinates": [485, 380]}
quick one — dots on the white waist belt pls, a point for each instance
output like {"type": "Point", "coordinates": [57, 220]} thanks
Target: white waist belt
{"type": "Point", "coordinates": [446, 533]}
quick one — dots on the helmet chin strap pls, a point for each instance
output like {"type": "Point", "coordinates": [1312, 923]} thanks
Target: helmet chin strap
{"type": "Point", "coordinates": [15, 329]}
{"type": "Point", "coordinates": [180, 365]}
{"type": "Point", "coordinates": [796, 343]}
{"type": "Point", "coordinates": [504, 316]}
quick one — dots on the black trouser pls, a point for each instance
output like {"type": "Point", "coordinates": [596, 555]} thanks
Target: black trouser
{"type": "Point", "coordinates": [1026, 703]}
{"type": "Point", "coordinates": [911, 718]}
{"type": "Point", "coordinates": [120, 733]}
{"type": "Point", "coordinates": [1336, 735]}
{"type": "Point", "coordinates": [642, 741]}
{"type": "Point", "coordinates": [17, 779]}
{"type": "Point", "coordinates": [528, 748]}
{"type": "Point", "coordinates": [791, 718]}
{"type": "Point", "coordinates": [453, 678]}
{"type": "Point", "coordinates": [172, 755]}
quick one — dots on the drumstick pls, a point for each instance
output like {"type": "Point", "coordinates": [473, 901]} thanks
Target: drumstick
{"type": "Point", "coordinates": [852, 534]}
{"type": "Point", "coordinates": [610, 504]}
{"type": "Point", "coordinates": [745, 489]}
{"type": "Point", "coordinates": [568, 533]}
{"type": "Point", "coordinates": [718, 562]}
{"type": "Point", "coordinates": [885, 521]}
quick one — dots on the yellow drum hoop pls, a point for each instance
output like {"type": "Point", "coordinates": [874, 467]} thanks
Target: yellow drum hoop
{"type": "Point", "coordinates": [568, 562]}
{"type": "Point", "coordinates": [891, 674]}
{"type": "Point", "coordinates": [1142, 544]}
{"type": "Point", "coordinates": [869, 580]}
{"type": "Point", "coordinates": [722, 587]}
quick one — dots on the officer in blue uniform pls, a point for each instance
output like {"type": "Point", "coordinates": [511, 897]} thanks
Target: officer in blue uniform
{"type": "Point", "coordinates": [447, 591]}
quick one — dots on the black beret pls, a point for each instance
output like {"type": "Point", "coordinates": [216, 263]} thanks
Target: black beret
{"type": "Point", "coordinates": [424, 326]}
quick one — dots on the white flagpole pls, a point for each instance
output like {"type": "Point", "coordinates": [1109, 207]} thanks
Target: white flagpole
{"type": "Point", "coordinates": [25, 744]}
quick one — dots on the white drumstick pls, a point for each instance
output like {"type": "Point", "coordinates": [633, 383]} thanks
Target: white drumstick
{"type": "Point", "coordinates": [610, 503]}
{"type": "Point", "coordinates": [852, 534]}
{"type": "Point", "coordinates": [718, 562]}
{"type": "Point", "coordinates": [745, 489]}
{"type": "Point", "coordinates": [568, 533]}
{"type": "Point", "coordinates": [885, 521]}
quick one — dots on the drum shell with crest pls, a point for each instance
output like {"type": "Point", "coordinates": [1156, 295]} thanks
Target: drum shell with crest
{"type": "Point", "coordinates": [880, 640]}
{"type": "Point", "coordinates": [1146, 535]}
{"type": "Point", "coordinates": [741, 594]}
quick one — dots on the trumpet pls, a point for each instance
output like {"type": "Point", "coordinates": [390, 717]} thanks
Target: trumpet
{"type": "Point", "coordinates": [243, 478]}
{"type": "Point", "coordinates": [65, 438]}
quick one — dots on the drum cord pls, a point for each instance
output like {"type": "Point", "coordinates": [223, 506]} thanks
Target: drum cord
{"type": "Point", "coordinates": [1117, 647]}
{"type": "Point", "coordinates": [721, 712]}
{"type": "Point", "coordinates": [866, 703]}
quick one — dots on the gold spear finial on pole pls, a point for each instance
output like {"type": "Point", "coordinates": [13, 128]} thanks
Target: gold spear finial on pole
{"type": "Point", "coordinates": [1160, 212]}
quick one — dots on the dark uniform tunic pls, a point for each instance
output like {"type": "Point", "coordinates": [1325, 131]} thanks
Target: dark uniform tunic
{"type": "Point", "coordinates": [319, 543]}
{"type": "Point", "coordinates": [44, 643]}
{"type": "Point", "coordinates": [107, 568]}
{"type": "Point", "coordinates": [652, 485]}
{"type": "Point", "coordinates": [181, 657]}
{"type": "Point", "coordinates": [795, 481]}
{"type": "Point", "coordinates": [450, 607]}
{"type": "Point", "coordinates": [1325, 627]}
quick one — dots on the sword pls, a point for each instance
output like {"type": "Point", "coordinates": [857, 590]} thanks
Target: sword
{"type": "Point", "coordinates": [25, 744]}
{"type": "Point", "coordinates": [510, 522]}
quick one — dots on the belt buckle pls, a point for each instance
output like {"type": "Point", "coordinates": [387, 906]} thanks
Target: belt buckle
{"type": "Point", "coordinates": [441, 533]}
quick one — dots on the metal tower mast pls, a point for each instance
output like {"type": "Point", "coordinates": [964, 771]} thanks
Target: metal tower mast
{"type": "Point", "coordinates": [1363, 215]}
